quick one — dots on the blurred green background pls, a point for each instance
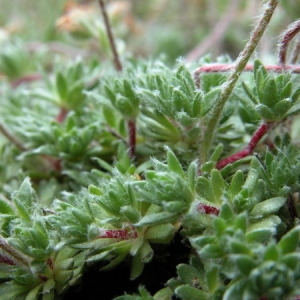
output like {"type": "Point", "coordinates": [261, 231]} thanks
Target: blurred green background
{"type": "Point", "coordinates": [174, 28]}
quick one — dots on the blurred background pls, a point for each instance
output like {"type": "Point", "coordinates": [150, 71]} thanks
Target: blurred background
{"type": "Point", "coordinates": [143, 28]}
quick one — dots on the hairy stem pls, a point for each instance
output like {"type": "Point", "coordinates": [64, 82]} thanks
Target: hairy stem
{"type": "Point", "coordinates": [233, 77]}
{"type": "Point", "coordinates": [257, 136]}
{"type": "Point", "coordinates": [288, 35]}
{"type": "Point", "coordinates": [220, 68]}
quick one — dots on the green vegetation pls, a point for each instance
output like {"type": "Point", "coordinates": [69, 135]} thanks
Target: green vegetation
{"type": "Point", "coordinates": [108, 159]}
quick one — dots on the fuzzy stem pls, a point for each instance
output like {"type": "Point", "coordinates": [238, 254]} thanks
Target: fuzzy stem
{"type": "Point", "coordinates": [257, 136]}
{"type": "Point", "coordinates": [117, 61]}
{"type": "Point", "coordinates": [11, 138]}
{"type": "Point", "coordinates": [18, 257]}
{"type": "Point", "coordinates": [220, 68]}
{"type": "Point", "coordinates": [228, 86]}
{"type": "Point", "coordinates": [295, 53]}
{"type": "Point", "coordinates": [290, 33]}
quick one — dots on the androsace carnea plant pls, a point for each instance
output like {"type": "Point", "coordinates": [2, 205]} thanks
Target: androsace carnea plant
{"type": "Point", "coordinates": [108, 165]}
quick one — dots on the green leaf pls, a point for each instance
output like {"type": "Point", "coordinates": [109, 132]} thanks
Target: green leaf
{"type": "Point", "coordinates": [268, 206]}
{"type": "Point", "coordinates": [218, 185]}
{"type": "Point", "coordinates": [146, 252]}
{"type": "Point", "coordinates": [156, 218]}
{"type": "Point", "coordinates": [187, 292]}
{"type": "Point", "coordinates": [174, 164]}
{"type": "Point", "coordinates": [22, 199]}
{"type": "Point", "coordinates": [210, 100]}
{"type": "Point", "coordinates": [130, 213]}
{"type": "Point", "coordinates": [289, 242]}
{"type": "Point", "coordinates": [161, 233]}
{"type": "Point", "coordinates": [213, 279]}
{"type": "Point", "coordinates": [271, 253]}
{"type": "Point", "coordinates": [62, 87]}
{"type": "Point", "coordinates": [268, 93]}
{"type": "Point", "coordinates": [211, 251]}
{"type": "Point", "coordinates": [204, 189]}
{"type": "Point", "coordinates": [282, 106]}
{"type": "Point", "coordinates": [265, 112]}
{"type": "Point", "coordinates": [245, 263]}
{"type": "Point", "coordinates": [236, 184]}
{"type": "Point", "coordinates": [6, 208]}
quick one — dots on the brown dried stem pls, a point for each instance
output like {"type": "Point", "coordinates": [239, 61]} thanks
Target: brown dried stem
{"type": "Point", "coordinates": [110, 36]}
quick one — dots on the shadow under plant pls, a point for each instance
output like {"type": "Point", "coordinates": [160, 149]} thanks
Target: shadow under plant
{"type": "Point", "coordinates": [174, 185]}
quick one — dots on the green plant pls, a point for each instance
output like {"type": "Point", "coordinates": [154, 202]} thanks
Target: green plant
{"type": "Point", "coordinates": [102, 166]}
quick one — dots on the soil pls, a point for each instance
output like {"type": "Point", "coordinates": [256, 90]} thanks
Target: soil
{"type": "Point", "coordinates": [107, 285]}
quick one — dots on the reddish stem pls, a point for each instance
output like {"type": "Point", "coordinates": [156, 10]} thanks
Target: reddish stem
{"type": "Point", "coordinates": [258, 134]}
{"type": "Point", "coordinates": [62, 115]}
{"type": "Point", "coordinates": [221, 68]}
{"type": "Point", "coordinates": [6, 260]}
{"type": "Point", "coordinates": [26, 79]}
{"type": "Point", "coordinates": [132, 137]}
{"type": "Point", "coordinates": [207, 209]}
{"type": "Point", "coordinates": [121, 234]}
{"type": "Point", "coordinates": [290, 33]}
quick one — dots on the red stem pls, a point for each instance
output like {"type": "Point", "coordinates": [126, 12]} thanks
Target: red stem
{"type": "Point", "coordinates": [62, 114]}
{"type": "Point", "coordinates": [290, 33]}
{"type": "Point", "coordinates": [207, 209]}
{"type": "Point", "coordinates": [257, 136]}
{"type": "Point", "coordinates": [26, 79]}
{"type": "Point", "coordinates": [6, 260]}
{"type": "Point", "coordinates": [220, 68]}
{"type": "Point", "coordinates": [121, 234]}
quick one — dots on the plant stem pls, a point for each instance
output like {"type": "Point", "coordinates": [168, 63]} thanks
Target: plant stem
{"type": "Point", "coordinates": [131, 124]}
{"type": "Point", "coordinates": [207, 209]}
{"type": "Point", "coordinates": [117, 61]}
{"type": "Point", "coordinates": [228, 86]}
{"type": "Point", "coordinates": [220, 68]}
{"type": "Point", "coordinates": [290, 33]}
{"type": "Point", "coordinates": [121, 234]}
{"type": "Point", "coordinates": [63, 112]}
{"type": "Point", "coordinates": [257, 136]}
{"type": "Point", "coordinates": [11, 138]}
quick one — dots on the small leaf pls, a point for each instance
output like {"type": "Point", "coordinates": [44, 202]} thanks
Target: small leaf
{"type": "Point", "coordinates": [265, 112]}
{"type": "Point", "coordinates": [187, 292]}
{"type": "Point", "coordinates": [268, 206]}
{"type": "Point", "coordinates": [236, 184]}
{"type": "Point", "coordinates": [245, 263]}
{"type": "Point", "coordinates": [271, 253]}
{"type": "Point", "coordinates": [174, 164]}
{"type": "Point", "coordinates": [209, 100]}
{"type": "Point", "coordinates": [62, 87]}
{"type": "Point", "coordinates": [289, 242]}
{"type": "Point", "coordinates": [218, 185]}
{"type": "Point", "coordinates": [160, 233]}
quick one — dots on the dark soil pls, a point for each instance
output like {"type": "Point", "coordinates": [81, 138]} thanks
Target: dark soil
{"type": "Point", "coordinates": [107, 285]}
